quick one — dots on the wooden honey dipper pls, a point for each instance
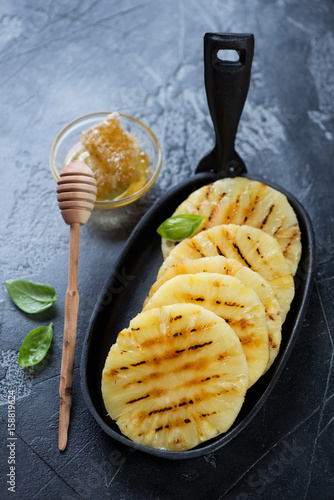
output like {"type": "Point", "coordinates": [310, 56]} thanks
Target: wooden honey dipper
{"type": "Point", "coordinates": [76, 195]}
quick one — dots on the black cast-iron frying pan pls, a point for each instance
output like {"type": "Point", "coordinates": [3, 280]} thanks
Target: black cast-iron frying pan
{"type": "Point", "coordinates": [227, 85]}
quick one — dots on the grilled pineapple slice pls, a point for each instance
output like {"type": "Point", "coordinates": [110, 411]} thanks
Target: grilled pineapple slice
{"type": "Point", "coordinates": [252, 247]}
{"type": "Point", "coordinates": [244, 201]}
{"type": "Point", "coordinates": [176, 377]}
{"type": "Point", "coordinates": [227, 297]}
{"type": "Point", "coordinates": [254, 280]}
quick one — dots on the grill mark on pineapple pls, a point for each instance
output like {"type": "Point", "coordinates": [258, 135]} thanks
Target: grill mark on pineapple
{"type": "Point", "coordinates": [196, 248]}
{"type": "Point", "coordinates": [197, 398]}
{"type": "Point", "coordinates": [199, 346]}
{"type": "Point", "coordinates": [219, 251]}
{"type": "Point", "coordinates": [248, 339]}
{"type": "Point", "coordinates": [272, 343]}
{"type": "Point", "coordinates": [198, 299]}
{"type": "Point", "coordinates": [138, 399]}
{"type": "Point", "coordinates": [286, 249]}
{"type": "Point", "coordinates": [184, 403]}
{"type": "Point", "coordinates": [205, 415]}
{"type": "Point", "coordinates": [169, 408]}
{"type": "Point", "coordinates": [209, 378]}
{"type": "Point", "coordinates": [150, 342]}
{"type": "Point", "coordinates": [157, 429]}
{"type": "Point", "coordinates": [233, 304]}
{"type": "Point", "coordinates": [216, 283]}
{"type": "Point", "coordinates": [277, 230]}
{"type": "Point", "coordinates": [233, 210]}
{"type": "Point", "coordinates": [176, 353]}
{"type": "Point", "coordinates": [198, 364]}
{"type": "Point", "coordinates": [208, 191]}
{"type": "Point", "coordinates": [232, 389]}
{"type": "Point", "coordinates": [271, 340]}
{"type": "Point", "coordinates": [146, 379]}
{"type": "Point", "coordinates": [242, 323]}
{"type": "Point", "coordinates": [139, 363]}
{"type": "Point", "coordinates": [241, 255]}
{"type": "Point", "coordinates": [221, 357]}
{"type": "Point", "coordinates": [251, 209]}
{"type": "Point", "coordinates": [175, 318]}
{"type": "Point", "coordinates": [212, 213]}
{"type": "Point", "coordinates": [258, 251]}
{"type": "Point", "coordinates": [163, 340]}
{"type": "Point", "coordinates": [216, 206]}
{"type": "Point", "coordinates": [265, 220]}
{"type": "Point", "coordinates": [111, 373]}
{"type": "Point", "coordinates": [177, 334]}
{"type": "Point", "coordinates": [160, 410]}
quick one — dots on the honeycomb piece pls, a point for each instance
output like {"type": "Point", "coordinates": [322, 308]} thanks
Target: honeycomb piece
{"type": "Point", "coordinates": [114, 155]}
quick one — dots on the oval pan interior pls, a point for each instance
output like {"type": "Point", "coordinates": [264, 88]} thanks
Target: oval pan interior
{"type": "Point", "coordinates": [124, 295]}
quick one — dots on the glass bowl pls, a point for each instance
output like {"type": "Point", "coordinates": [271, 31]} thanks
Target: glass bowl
{"type": "Point", "coordinates": [67, 143]}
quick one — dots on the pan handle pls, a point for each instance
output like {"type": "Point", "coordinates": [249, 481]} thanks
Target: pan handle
{"type": "Point", "coordinates": [226, 84]}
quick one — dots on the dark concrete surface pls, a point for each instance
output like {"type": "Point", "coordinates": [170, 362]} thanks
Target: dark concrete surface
{"type": "Point", "coordinates": [63, 58]}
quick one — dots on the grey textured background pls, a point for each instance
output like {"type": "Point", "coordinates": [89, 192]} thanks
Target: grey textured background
{"type": "Point", "coordinates": [63, 58]}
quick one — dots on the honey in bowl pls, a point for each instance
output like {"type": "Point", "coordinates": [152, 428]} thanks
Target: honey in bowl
{"type": "Point", "coordinates": [120, 166]}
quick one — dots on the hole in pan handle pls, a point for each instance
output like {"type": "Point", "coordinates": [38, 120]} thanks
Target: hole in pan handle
{"type": "Point", "coordinates": [226, 83]}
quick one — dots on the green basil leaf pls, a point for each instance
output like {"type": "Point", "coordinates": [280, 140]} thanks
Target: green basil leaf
{"type": "Point", "coordinates": [179, 227]}
{"type": "Point", "coordinates": [31, 297]}
{"type": "Point", "coordinates": [35, 346]}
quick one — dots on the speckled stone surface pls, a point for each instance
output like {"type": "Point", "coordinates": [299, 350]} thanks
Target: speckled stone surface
{"type": "Point", "coordinates": [60, 59]}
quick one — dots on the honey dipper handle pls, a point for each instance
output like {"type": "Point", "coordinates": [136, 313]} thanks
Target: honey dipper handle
{"type": "Point", "coordinates": [69, 337]}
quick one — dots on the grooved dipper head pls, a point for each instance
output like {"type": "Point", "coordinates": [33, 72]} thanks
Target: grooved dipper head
{"type": "Point", "coordinates": [76, 192]}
